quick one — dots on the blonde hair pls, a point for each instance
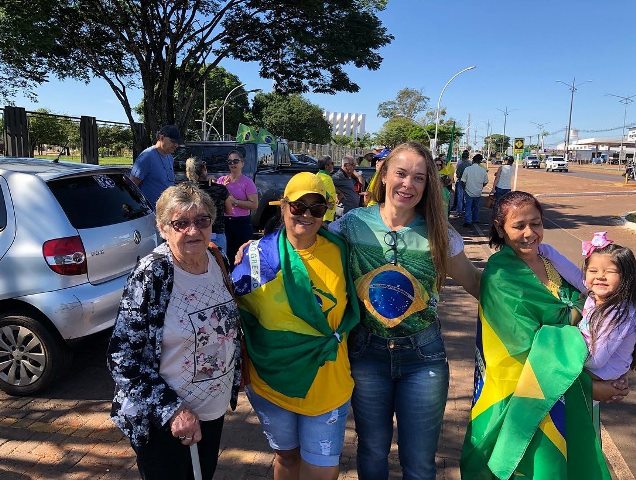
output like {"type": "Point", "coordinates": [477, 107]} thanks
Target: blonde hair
{"type": "Point", "coordinates": [194, 168]}
{"type": "Point", "coordinates": [430, 206]}
{"type": "Point", "coordinates": [184, 196]}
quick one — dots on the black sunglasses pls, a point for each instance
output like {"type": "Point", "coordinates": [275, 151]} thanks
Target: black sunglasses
{"type": "Point", "coordinates": [233, 161]}
{"type": "Point", "coordinates": [199, 222]}
{"type": "Point", "coordinates": [317, 210]}
{"type": "Point", "coordinates": [391, 239]}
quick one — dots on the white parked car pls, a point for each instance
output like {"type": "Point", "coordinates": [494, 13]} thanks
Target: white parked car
{"type": "Point", "coordinates": [553, 163]}
{"type": "Point", "coordinates": [69, 236]}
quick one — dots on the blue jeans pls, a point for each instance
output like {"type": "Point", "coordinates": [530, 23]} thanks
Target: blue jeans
{"type": "Point", "coordinates": [472, 209]}
{"type": "Point", "coordinates": [500, 192]}
{"type": "Point", "coordinates": [320, 437]}
{"type": "Point", "coordinates": [459, 197]}
{"type": "Point", "coordinates": [407, 376]}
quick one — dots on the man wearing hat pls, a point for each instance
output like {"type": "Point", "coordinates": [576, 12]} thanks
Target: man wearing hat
{"type": "Point", "coordinates": [153, 170]}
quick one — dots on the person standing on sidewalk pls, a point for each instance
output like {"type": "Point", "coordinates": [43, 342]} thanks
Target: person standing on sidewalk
{"type": "Point", "coordinates": [153, 170]}
{"type": "Point", "coordinates": [531, 411]}
{"type": "Point", "coordinates": [244, 198]}
{"type": "Point", "coordinates": [298, 305]}
{"type": "Point", "coordinates": [459, 205]}
{"type": "Point", "coordinates": [401, 250]}
{"type": "Point", "coordinates": [325, 168]}
{"type": "Point", "coordinates": [175, 353]}
{"type": "Point", "coordinates": [348, 186]}
{"type": "Point", "coordinates": [501, 184]}
{"type": "Point", "coordinates": [473, 180]}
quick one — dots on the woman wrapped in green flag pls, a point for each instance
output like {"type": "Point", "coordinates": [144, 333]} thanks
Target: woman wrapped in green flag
{"type": "Point", "coordinates": [531, 415]}
{"type": "Point", "coordinates": [297, 303]}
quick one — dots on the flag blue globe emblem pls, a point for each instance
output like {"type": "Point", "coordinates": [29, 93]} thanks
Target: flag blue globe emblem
{"type": "Point", "coordinates": [391, 293]}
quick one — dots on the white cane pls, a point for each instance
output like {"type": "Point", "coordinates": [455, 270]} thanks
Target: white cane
{"type": "Point", "coordinates": [196, 465]}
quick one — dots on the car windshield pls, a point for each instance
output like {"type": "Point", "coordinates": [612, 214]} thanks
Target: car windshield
{"type": "Point", "coordinates": [557, 159]}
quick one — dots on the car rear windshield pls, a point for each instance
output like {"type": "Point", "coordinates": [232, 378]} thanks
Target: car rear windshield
{"type": "Point", "coordinates": [3, 212]}
{"type": "Point", "coordinates": [99, 200]}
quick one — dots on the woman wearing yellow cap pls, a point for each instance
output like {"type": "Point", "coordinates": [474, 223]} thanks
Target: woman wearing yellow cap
{"type": "Point", "coordinates": [298, 304]}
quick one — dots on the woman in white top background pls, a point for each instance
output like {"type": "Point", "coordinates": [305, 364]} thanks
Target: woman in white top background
{"type": "Point", "coordinates": [501, 185]}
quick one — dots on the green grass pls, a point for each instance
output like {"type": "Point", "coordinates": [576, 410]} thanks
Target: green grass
{"type": "Point", "coordinates": [102, 160]}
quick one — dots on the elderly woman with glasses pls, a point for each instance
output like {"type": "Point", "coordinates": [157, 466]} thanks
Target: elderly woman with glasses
{"type": "Point", "coordinates": [402, 248]}
{"type": "Point", "coordinates": [244, 199]}
{"type": "Point", "coordinates": [174, 353]}
{"type": "Point", "coordinates": [297, 304]}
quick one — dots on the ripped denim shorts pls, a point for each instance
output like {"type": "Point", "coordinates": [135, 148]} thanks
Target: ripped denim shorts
{"type": "Point", "coordinates": [319, 437]}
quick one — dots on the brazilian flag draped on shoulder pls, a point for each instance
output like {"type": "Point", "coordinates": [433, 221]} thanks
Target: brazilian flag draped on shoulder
{"type": "Point", "coordinates": [247, 134]}
{"type": "Point", "coordinates": [531, 415]}
{"type": "Point", "coordinates": [289, 347]}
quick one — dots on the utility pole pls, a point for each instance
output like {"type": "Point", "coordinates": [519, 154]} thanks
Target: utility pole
{"type": "Point", "coordinates": [625, 101]}
{"type": "Point", "coordinates": [468, 133]}
{"type": "Point", "coordinates": [541, 129]}
{"type": "Point", "coordinates": [573, 88]}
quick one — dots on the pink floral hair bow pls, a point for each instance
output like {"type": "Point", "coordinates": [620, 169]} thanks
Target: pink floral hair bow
{"type": "Point", "coordinates": [599, 240]}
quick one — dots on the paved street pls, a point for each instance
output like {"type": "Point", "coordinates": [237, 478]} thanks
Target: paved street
{"type": "Point", "coordinates": [66, 432]}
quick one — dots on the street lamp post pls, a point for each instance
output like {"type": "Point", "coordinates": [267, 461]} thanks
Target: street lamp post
{"type": "Point", "coordinates": [625, 101]}
{"type": "Point", "coordinates": [506, 112]}
{"type": "Point", "coordinates": [439, 100]}
{"type": "Point", "coordinates": [541, 128]}
{"type": "Point", "coordinates": [573, 88]}
{"type": "Point", "coordinates": [219, 109]}
{"type": "Point", "coordinates": [223, 108]}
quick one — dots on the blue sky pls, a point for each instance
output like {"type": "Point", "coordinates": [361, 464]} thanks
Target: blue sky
{"type": "Point", "coordinates": [520, 48]}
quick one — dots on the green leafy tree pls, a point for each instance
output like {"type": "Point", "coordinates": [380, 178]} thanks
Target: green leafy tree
{"type": "Point", "coordinates": [291, 117]}
{"type": "Point", "coordinates": [46, 129]}
{"type": "Point", "coordinates": [396, 130]}
{"type": "Point", "coordinates": [342, 140]}
{"type": "Point", "coordinates": [497, 142]}
{"type": "Point", "coordinates": [159, 46]}
{"type": "Point", "coordinates": [408, 103]}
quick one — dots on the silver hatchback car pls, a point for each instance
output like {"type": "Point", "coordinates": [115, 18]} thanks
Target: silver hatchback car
{"type": "Point", "coordinates": [69, 236]}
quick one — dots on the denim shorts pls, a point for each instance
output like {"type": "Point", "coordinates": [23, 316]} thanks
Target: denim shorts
{"type": "Point", "coordinates": [319, 437]}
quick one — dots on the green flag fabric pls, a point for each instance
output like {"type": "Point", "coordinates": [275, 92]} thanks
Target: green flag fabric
{"type": "Point", "coordinates": [532, 409]}
{"type": "Point", "coordinates": [288, 360]}
{"type": "Point", "coordinates": [449, 152]}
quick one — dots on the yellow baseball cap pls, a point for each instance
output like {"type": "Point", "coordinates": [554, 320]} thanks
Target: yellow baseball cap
{"type": "Point", "coordinates": [301, 184]}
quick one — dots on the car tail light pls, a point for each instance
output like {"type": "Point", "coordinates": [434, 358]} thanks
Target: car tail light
{"type": "Point", "coordinates": [65, 256]}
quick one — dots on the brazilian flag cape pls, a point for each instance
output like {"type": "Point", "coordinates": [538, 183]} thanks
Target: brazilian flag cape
{"type": "Point", "coordinates": [288, 356]}
{"type": "Point", "coordinates": [531, 415]}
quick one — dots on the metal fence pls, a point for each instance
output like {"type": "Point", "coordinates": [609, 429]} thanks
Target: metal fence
{"type": "Point", "coordinates": [336, 152]}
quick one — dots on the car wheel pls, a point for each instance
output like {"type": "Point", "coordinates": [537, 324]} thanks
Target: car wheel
{"type": "Point", "coordinates": [565, 170]}
{"type": "Point", "coordinates": [31, 357]}
{"type": "Point", "coordinates": [547, 169]}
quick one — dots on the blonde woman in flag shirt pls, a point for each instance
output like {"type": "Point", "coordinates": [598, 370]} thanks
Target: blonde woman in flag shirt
{"type": "Point", "coordinates": [401, 250]}
{"type": "Point", "coordinates": [297, 303]}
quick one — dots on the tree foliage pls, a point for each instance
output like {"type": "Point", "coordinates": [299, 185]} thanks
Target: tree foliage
{"type": "Point", "coordinates": [47, 129]}
{"type": "Point", "coordinates": [400, 129]}
{"type": "Point", "coordinates": [497, 142]}
{"type": "Point", "coordinates": [408, 103]}
{"type": "Point", "coordinates": [291, 117]}
{"type": "Point", "coordinates": [160, 46]}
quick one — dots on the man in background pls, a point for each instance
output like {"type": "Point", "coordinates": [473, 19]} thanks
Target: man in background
{"type": "Point", "coordinates": [153, 170]}
{"type": "Point", "coordinates": [473, 180]}
{"type": "Point", "coordinates": [325, 168]}
{"type": "Point", "coordinates": [459, 204]}
{"type": "Point", "coordinates": [348, 186]}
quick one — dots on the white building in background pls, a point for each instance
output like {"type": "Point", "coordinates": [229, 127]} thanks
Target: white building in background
{"type": "Point", "coordinates": [349, 124]}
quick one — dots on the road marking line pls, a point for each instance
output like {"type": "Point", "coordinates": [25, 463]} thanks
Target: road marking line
{"type": "Point", "coordinates": [583, 194]}
{"type": "Point", "coordinates": [614, 457]}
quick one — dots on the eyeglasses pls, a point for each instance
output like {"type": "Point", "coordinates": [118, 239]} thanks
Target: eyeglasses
{"type": "Point", "coordinates": [199, 222]}
{"type": "Point", "coordinates": [391, 241]}
{"type": "Point", "coordinates": [317, 210]}
{"type": "Point", "coordinates": [233, 161]}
